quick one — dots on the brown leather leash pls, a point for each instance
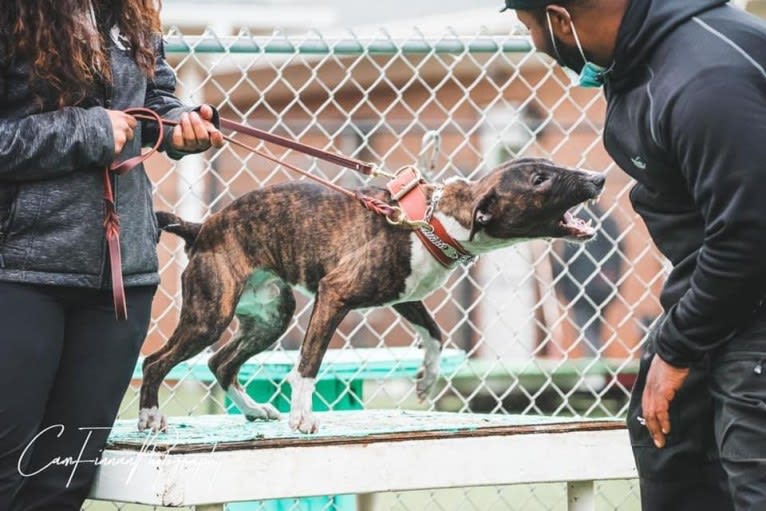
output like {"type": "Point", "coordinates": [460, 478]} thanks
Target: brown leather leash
{"type": "Point", "coordinates": [392, 213]}
{"type": "Point", "coordinates": [407, 187]}
{"type": "Point", "coordinates": [112, 218]}
{"type": "Point", "coordinates": [365, 168]}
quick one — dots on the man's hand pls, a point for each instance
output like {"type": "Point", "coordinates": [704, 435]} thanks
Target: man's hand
{"type": "Point", "coordinates": [195, 132]}
{"type": "Point", "coordinates": [662, 383]}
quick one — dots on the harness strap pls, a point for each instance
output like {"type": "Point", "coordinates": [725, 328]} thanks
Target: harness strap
{"type": "Point", "coordinates": [409, 189]}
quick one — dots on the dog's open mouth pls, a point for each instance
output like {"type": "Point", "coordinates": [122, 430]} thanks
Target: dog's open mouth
{"type": "Point", "coordinates": [577, 227]}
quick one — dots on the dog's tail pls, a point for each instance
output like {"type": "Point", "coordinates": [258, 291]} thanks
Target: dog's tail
{"type": "Point", "coordinates": [169, 222]}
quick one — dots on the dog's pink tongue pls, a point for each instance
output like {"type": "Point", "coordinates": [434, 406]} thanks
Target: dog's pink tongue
{"type": "Point", "coordinates": [578, 226]}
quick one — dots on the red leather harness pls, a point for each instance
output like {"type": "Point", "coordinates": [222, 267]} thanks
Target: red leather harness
{"type": "Point", "coordinates": [408, 188]}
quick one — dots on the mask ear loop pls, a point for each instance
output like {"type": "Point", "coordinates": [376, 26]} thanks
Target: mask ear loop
{"type": "Point", "coordinates": [582, 53]}
{"type": "Point", "coordinates": [553, 39]}
{"type": "Point", "coordinates": [577, 40]}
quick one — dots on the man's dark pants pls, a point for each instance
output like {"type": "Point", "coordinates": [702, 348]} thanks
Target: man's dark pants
{"type": "Point", "coordinates": [65, 363]}
{"type": "Point", "coordinates": [715, 455]}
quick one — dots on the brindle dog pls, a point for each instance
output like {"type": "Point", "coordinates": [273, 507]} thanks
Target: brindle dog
{"type": "Point", "coordinates": [302, 235]}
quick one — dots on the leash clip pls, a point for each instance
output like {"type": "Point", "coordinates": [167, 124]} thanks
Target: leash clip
{"type": "Point", "coordinates": [399, 219]}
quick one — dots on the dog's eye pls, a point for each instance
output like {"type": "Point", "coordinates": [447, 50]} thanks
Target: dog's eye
{"type": "Point", "coordinates": [539, 179]}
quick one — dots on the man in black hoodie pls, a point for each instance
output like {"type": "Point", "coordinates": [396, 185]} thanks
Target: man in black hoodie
{"type": "Point", "coordinates": [685, 83]}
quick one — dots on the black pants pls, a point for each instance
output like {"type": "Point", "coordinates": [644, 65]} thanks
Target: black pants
{"type": "Point", "coordinates": [65, 364]}
{"type": "Point", "coordinates": [715, 455]}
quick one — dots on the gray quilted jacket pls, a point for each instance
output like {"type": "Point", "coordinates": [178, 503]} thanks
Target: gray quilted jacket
{"type": "Point", "coordinates": [51, 162]}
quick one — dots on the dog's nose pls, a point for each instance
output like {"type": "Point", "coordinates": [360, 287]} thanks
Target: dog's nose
{"type": "Point", "coordinates": [598, 180]}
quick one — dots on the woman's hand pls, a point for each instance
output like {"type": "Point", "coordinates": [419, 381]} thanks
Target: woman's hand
{"type": "Point", "coordinates": [195, 132]}
{"type": "Point", "coordinates": [122, 128]}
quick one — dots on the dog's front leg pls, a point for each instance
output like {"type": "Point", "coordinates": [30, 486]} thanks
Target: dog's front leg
{"type": "Point", "coordinates": [329, 310]}
{"type": "Point", "coordinates": [431, 339]}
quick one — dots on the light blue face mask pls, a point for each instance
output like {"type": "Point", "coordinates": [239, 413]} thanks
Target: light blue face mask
{"type": "Point", "coordinates": [591, 75]}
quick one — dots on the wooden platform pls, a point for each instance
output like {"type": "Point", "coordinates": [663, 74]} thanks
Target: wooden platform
{"type": "Point", "coordinates": [219, 459]}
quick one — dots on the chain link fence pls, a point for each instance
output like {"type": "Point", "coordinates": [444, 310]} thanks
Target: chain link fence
{"type": "Point", "coordinates": [547, 328]}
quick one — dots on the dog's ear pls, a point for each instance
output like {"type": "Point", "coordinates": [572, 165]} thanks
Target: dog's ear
{"type": "Point", "coordinates": [482, 215]}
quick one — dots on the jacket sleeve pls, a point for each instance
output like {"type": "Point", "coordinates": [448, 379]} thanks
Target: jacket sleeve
{"type": "Point", "coordinates": [51, 144]}
{"type": "Point", "coordinates": [718, 138]}
{"type": "Point", "coordinates": [160, 97]}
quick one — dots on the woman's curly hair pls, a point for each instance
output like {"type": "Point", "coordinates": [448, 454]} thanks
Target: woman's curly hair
{"type": "Point", "coordinates": [66, 51]}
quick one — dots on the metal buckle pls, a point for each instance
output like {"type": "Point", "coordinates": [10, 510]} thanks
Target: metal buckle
{"type": "Point", "coordinates": [409, 186]}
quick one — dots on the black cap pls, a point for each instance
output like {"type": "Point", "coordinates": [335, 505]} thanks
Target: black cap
{"type": "Point", "coordinates": [525, 4]}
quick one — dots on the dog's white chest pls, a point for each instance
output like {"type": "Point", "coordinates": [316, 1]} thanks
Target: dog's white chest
{"type": "Point", "coordinates": [427, 273]}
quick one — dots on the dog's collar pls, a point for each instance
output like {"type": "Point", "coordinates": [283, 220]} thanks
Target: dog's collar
{"type": "Point", "coordinates": [408, 188]}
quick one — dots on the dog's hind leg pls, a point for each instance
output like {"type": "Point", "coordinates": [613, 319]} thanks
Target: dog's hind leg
{"type": "Point", "coordinates": [274, 306]}
{"type": "Point", "coordinates": [431, 339]}
{"type": "Point", "coordinates": [211, 289]}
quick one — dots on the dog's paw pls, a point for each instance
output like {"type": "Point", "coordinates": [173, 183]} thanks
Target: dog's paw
{"type": "Point", "coordinates": [249, 408]}
{"type": "Point", "coordinates": [429, 371]}
{"type": "Point", "coordinates": [303, 421]}
{"type": "Point", "coordinates": [262, 412]}
{"type": "Point", "coordinates": [152, 419]}
{"type": "Point", "coordinates": [301, 418]}
{"type": "Point", "coordinates": [426, 383]}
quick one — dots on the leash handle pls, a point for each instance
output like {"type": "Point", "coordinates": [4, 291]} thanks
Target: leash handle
{"type": "Point", "coordinates": [365, 168]}
{"type": "Point", "coordinates": [143, 114]}
{"type": "Point", "coordinates": [112, 218]}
